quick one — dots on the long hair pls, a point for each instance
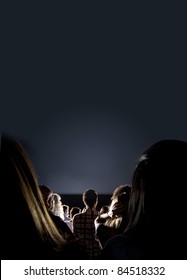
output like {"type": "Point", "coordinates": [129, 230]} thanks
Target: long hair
{"type": "Point", "coordinates": [120, 198]}
{"type": "Point", "coordinates": [157, 201]}
{"type": "Point", "coordinates": [27, 212]}
{"type": "Point", "coordinates": [58, 209]}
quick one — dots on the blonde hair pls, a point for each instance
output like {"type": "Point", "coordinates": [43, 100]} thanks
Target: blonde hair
{"type": "Point", "coordinates": [114, 222]}
{"type": "Point", "coordinates": [25, 175]}
{"type": "Point", "coordinates": [58, 209]}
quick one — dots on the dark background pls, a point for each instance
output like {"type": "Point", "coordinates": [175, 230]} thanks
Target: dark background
{"type": "Point", "coordinates": [87, 93]}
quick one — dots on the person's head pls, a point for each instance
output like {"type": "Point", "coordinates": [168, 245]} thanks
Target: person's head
{"type": "Point", "coordinates": [65, 208]}
{"type": "Point", "coordinates": [74, 210]}
{"type": "Point", "coordinates": [90, 198]}
{"type": "Point", "coordinates": [26, 215]}
{"type": "Point", "coordinates": [57, 200]}
{"type": "Point", "coordinates": [47, 195]}
{"type": "Point", "coordinates": [103, 209]}
{"type": "Point", "coordinates": [121, 189]}
{"type": "Point", "coordinates": [120, 197]}
{"type": "Point", "coordinates": [158, 184]}
{"type": "Point", "coordinates": [57, 206]}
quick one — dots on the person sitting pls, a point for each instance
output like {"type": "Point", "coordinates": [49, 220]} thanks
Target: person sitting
{"type": "Point", "coordinates": [58, 209]}
{"type": "Point", "coordinates": [156, 229]}
{"type": "Point", "coordinates": [83, 224]}
{"type": "Point", "coordinates": [113, 221]}
{"type": "Point", "coordinates": [74, 210]}
{"type": "Point", "coordinates": [66, 212]}
{"type": "Point", "coordinates": [27, 231]}
{"type": "Point", "coordinates": [48, 197]}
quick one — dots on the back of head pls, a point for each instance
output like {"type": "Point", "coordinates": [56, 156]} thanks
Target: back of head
{"type": "Point", "coordinates": [56, 196]}
{"type": "Point", "coordinates": [118, 209]}
{"type": "Point", "coordinates": [18, 174]}
{"type": "Point", "coordinates": [19, 184]}
{"type": "Point", "coordinates": [159, 182]}
{"type": "Point", "coordinates": [15, 161]}
{"type": "Point", "coordinates": [74, 211]}
{"type": "Point", "coordinates": [121, 189]}
{"type": "Point", "coordinates": [47, 195]}
{"type": "Point", "coordinates": [57, 199]}
{"type": "Point", "coordinates": [90, 198]}
{"type": "Point", "coordinates": [162, 171]}
{"type": "Point", "coordinates": [121, 197]}
{"type": "Point", "coordinates": [65, 208]}
{"type": "Point", "coordinates": [26, 223]}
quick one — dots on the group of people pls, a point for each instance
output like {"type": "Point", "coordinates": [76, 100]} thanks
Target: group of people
{"type": "Point", "coordinates": [145, 220]}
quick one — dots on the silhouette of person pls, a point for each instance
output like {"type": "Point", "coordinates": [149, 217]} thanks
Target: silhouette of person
{"type": "Point", "coordinates": [157, 207]}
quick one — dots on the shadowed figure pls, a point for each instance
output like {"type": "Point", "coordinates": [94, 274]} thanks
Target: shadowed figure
{"type": "Point", "coordinates": [27, 231]}
{"type": "Point", "coordinates": [157, 207]}
{"type": "Point", "coordinates": [49, 199]}
{"type": "Point", "coordinates": [83, 224]}
{"type": "Point", "coordinates": [114, 220]}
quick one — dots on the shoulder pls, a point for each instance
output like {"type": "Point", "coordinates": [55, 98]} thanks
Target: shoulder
{"type": "Point", "coordinates": [78, 216]}
{"type": "Point", "coordinates": [119, 240]}
{"type": "Point", "coordinates": [57, 219]}
{"type": "Point", "coordinates": [117, 247]}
